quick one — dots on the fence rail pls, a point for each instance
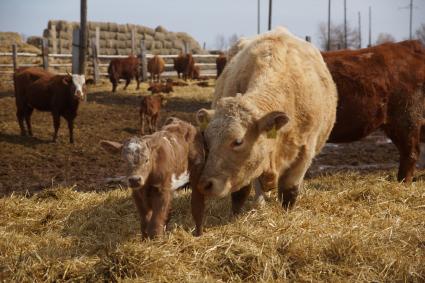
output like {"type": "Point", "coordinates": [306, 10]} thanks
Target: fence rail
{"type": "Point", "coordinates": [208, 69]}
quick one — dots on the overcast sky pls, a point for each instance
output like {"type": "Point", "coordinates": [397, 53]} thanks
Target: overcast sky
{"type": "Point", "coordinates": [205, 19]}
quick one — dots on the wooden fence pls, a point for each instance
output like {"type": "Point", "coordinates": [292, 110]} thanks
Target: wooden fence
{"type": "Point", "coordinates": [97, 62]}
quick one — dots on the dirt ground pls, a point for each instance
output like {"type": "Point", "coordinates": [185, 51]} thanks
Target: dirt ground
{"type": "Point", "coordinates": [30, 164]}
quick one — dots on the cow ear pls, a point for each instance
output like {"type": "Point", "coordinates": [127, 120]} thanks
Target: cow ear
{"type": "Point", "coordinates": [67, 80]}
{"type": "Point", "coordinates": [111, 146]}
{"type": "Point", "coordinates": [271, 123]}
{"type": "Point", "coordinates": [203, 117]}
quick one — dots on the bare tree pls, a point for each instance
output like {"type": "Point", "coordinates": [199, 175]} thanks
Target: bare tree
{"type": "Point", "coordinates": [337, 36]}
{"type": "Point", "coordinates": [220, 42]}
{"type": "Point", "coordinates": [384, 37]}
{"type": "Point", "coordinates": [420, 33]}
{"type": "Point", "coordinates": [232, 39]}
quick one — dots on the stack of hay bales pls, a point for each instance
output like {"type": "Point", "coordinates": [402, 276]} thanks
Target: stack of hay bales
{"type": "Point", "coordinates": [9, 38]}
{"type": "Point", "coordinates": [115, 39]}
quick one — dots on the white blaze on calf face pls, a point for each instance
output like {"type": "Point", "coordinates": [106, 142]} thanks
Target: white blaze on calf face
{"type": "Point", "coordinates": [78, 81]}
{"type": "Point", "coordinates": [179, 181]}
{"type": "Point", "coordinates": [136, 153]}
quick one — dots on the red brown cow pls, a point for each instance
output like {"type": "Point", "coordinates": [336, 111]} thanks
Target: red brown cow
{"type": "Point", "coordinates": [158, 165]}
{"type": "Point", "coordinates": [156, 66]}
{"type": "Point", "coordinates": [161, 87]}
{"type": "Point", "coordinates": [44, 91]}
{"type": "Point", "coordinates": [381, 87]}
{"type": "Point", "coordinates": [124, 68]}
{"type": "Point", "coordinates": [179, 64]}
{"type": "Point", "coordinates": [220, 63]}
{"type": "Point", "coordinates": [189, 64]}
{"type": "Point", "coordinates": [150, 106]}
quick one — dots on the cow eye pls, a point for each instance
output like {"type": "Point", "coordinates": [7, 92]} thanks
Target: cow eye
{"type": "Point", "coordinates": [237, 143]}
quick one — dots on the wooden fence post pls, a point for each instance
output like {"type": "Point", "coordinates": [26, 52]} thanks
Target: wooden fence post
{"type": "Point", "coordinates": [45, 53]}
{"type": "Point", "coordinates": [95, 61]}
{"type": "Point", "coordinates": [133, 41]}
{"type": "Point", "coordinates": [187, 47]}
{"type": "Point", "coordinates": [75, 50]}
{"type": "Point", "coordinates": [15, 56]}
{"type": "Point", "coordinates": [308, 38]}
{"type": "Point", "coordinates": [98, 38]}
{"type": "Point", "coordinates": [144, 61]}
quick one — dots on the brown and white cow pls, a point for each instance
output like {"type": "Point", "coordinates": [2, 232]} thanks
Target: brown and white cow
{"type": "Point", "coordinates": [150, 107]}
{"type": "Point", "coordinates": [277, 109]}
{"type": "Point", "coordinates": [159, 164]}
{"type": "Point", "coordinates": [156, 66]}
{"type": "Point", "coordinates": [124, 68]}
{"type": "Point", "coordinates": [38, 89]}
{"type": "Point", "coordinates": [382, 87]}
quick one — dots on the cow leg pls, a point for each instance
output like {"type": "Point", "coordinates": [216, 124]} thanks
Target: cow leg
{"type": "Point", "coordinates": [127, 82]}
{"type": "Point", "coordinates": [114, 84]}
{"type": "Point", "coordinates": [138, 81]}
{"type": "Point", "coordinates": [407, 142]}
{"type": "Point", "coordinates": [198, 210]}
{"type": "Point", "coordinates": [154, 122]}
{"type": "Point", "coordinates": [144, 212]}
{"type": "Point", "coordinates": [149, 122]}
{"type": "Point", "coordinates": [142, 123]}
{"type": "Point", "coordinates": [291, 181]}
{"type": "Point", "coordinates": [259, 193]}
{"type": "Point", "coordinates": [56, 125]}
{"type": "Point", "coordinates": [160, 201]}
{"type": "Point", "coordinates": [71, 130]}
{"type": "Point", "coordinates": [239, 198]}
{"type": "Point", "coordinates": [28, 114]}
{"type": "Point", "coordinates": [20, 116]}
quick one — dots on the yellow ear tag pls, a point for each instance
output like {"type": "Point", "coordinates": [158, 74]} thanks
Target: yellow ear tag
{"type": "Point", "coordinates": [203, 125]}
{"type": "Point", "coordinates": [271, 134]}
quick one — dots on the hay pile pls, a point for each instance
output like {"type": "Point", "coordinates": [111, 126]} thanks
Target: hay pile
{"type": "Point", "coordinates": [116, 38]}
{"type": "Point", "coordinates": [9, 38]}
{"type": "Point", "coordinates": [345, 227]}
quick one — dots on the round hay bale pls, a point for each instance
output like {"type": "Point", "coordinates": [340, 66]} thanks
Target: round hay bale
{"type": "Point", "coordinates": [112, 43]}
{"type": "Point", "coordinates": [149, 44]}
{"type": "Point", "coordinates": [159, 36]}
{"type": "Point", "coordinates": [113, 27]}
{"type": "Point", "coordinates": [160, 29]}
{"type": "Point", "coordinates": [64, 35]}
{"type": "Point", "coordinates": [123, 29]}
{"type": "Point", "coordinates": [158, 45]}
{"type": "Point", "coordinates": [35, 40]}
{"type": "Point", "coordinates": [175, 51]}
{"type": "Point", "coordinates": [147, 36]}
{"type": "Point", "coordinates": [178, 44]}
{"type": "Point", "coordinates": [121, 36]}
{"type": "Point", "coordinates": [104, 27]}
{"type": "Point", "coordinates": [47, 33]}
{"type": "Point", "coordinates": [170, 36]}
{"type": "Point", "coordinates": [168, 44]}
{"type": "Point", "coordinates": [121, 44]}
{"type": "Point", "coordinates": [164, 51]}
{"type": "Point", "coordinates": [12, 37]}
{"type": "Point", "coordinates": [124, 51]}
{"type": "Point", "coordinates": [52, 23]}
{"type": "Point", "coordinates": [102, 43]}
{"type": "Point", "coordinates": [149, 31]}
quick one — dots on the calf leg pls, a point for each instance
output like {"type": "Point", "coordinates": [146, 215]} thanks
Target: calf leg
{"type": "Point", "coordinates": [28, 114]}
{"type": "Point", "coordinates": [291, 181]}
{"type": "Point", "coordinates": [198, 210]}
{"type": "Point", "coordinates": [144, 212]}
{"type": "Point", "coordinates": [114, 84]}
{"type": "Point", "coordinates": [138, 81]}
{"type": "Point", "coordinates": [239, 198]}
{"type": "Point", "coordinates": [161, 201]}
{"type": "Point", "coordinates": [154, 122]}
{"type": "Point", "coordinates": [127, 82]}
{"type": "Point", "coordinates": [142, 123]}
{"type": "Point", "coordinates": [56, 125]}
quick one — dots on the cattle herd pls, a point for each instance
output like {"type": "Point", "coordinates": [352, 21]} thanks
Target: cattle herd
{"type": "Point", "coordinates": [277, 101]}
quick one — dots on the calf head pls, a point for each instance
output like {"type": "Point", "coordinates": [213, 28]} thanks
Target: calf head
{"type": "Point", "coordinates": [77, 85]}
{"type": "Point", "coordinates": [238, 140]}
{"type": "Point", "coordinates": [136, 153]}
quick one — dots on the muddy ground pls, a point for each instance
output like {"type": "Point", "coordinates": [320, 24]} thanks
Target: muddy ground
{"type": "Point", "coordinates": [29, 164]}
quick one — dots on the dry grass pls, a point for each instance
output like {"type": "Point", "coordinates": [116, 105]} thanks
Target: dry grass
{"type": "Point", "coordinates": [345, 227]}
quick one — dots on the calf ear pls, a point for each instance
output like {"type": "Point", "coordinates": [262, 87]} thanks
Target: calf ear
{"type": "Point", "coordinates": [203, 117]}
{"type": "Point", "coordinates": [272, 122]}
{"type": "Point", "coordinates": [67, 80]}
{"type": "Point", "coordinates": [111, 146]}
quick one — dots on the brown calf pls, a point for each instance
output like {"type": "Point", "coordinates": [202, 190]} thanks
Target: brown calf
{"type": "Point", "coordinates": [44, 91]}
{"type": "Point", "coordinates": [220, 63]}
{"type": "Point", "coordinates": [158, 165]}
{"type": "Point", "coordinates": [161, 87]}
{"type": "Point", "coordinates": [124, 68]}
{"type": "Point", "coordinates": [150, 106]}
{"type": "Point", "coordinates": [381, 87]}
{"type": "Point", "coordinates": [156, 66]}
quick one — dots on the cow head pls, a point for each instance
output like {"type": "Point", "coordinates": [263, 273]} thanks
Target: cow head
{"type": "Point", "coordinates": [136, 153]}
{"type": "Point", "coordinates": [239, 139]}
{"type": "Point", "coordinates": [77, 85]}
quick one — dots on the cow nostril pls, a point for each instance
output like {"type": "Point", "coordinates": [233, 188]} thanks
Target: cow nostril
{"type": "Point", "coordinates": [208, 186]}
{"type": "Point", "coordinates": [134, 181]}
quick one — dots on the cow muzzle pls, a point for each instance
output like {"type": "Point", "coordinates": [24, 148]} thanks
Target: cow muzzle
{"type": "Point", "coordinates": [214, 187]}
{"type": "Point", "coordinates": [135, 181]}
{"type": "Point", "coordinates": [79, 94]}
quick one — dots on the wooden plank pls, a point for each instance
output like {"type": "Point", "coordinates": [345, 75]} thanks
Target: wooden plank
{"type": "Point", "coordinates": [83, 38]}
{"type": "Point", "coordinates": [45, 53]}
{"type": "Point", "coordinates": [98, 39]}
{"type": "Point", "coordinates": [15, 56]}
{"type": "Point", "coordinates": [133, 41]}
{"type": "Point", "coordinates": [143, 61]}
{"type": "Point", "coordinates": [95, 61]}
{"type": "Point", "coordinates": [22, 54]}
{"type": "Point", "coordinates": [75, 50]}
